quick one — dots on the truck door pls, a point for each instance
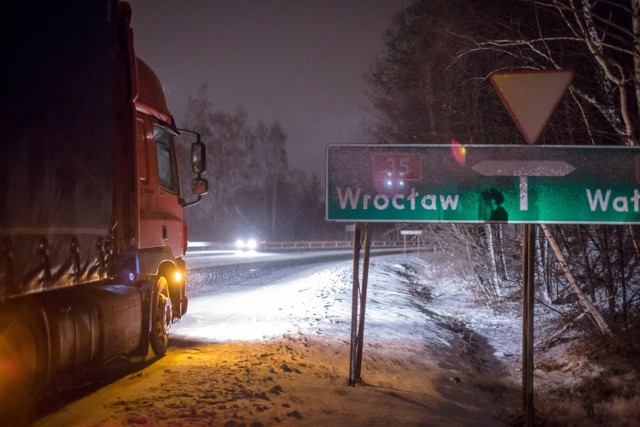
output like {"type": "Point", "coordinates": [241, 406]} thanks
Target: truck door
{"type": "Point", "coordinates": [159, 192]}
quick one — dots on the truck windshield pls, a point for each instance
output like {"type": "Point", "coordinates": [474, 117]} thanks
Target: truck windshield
{"type": "Point", "coordinates": [167, 176]}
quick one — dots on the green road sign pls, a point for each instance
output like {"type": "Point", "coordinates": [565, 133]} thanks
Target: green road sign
{"type": "Point", "coordinates": [483, 183]}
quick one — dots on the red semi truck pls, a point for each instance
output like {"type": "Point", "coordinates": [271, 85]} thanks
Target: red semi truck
{"type": "Point", "coordinates": [92, 232]}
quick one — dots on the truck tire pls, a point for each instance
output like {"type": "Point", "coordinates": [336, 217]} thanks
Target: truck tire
{"type": "Point", "coordinates": [22, 366]}
{"type": "Point", "coordinates": [161, 317]}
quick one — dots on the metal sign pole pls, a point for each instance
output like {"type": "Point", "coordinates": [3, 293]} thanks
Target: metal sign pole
{"type": "Point", "coordinates": [354, 304]}
{"type": "Point", "coordinates": [363, 299]}
{"type": "Point", "coordinates": [528, 238]}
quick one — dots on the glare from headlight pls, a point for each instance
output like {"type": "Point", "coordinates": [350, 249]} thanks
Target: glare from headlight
{"type": "Point", "coordinates": [246, 245]}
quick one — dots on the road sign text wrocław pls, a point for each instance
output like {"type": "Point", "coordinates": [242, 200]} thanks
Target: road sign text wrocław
{"type": "Point", "coordinates": [483, 183]}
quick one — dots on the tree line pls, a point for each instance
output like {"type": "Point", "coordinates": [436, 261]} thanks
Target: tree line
{"type": "Point", "coordinates": [253, 191]}
{"type": "Point", "coordinates": [431, 86]}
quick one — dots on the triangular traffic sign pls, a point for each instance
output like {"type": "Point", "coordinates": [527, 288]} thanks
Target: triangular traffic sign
{"type": "Point", "coordinates": [531, 97]}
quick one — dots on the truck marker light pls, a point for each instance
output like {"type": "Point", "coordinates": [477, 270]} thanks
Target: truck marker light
{"type": "Point", "coordinates": [177, 276]}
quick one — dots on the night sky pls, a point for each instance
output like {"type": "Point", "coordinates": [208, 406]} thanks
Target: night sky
{"type": "Point", "coordinates": [299, 62]}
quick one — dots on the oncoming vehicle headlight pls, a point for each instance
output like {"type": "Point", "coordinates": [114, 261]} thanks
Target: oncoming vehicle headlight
{"type": "Point", "coordinates": [246, 245]}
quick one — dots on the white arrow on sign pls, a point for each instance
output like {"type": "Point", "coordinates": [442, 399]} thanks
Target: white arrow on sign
{"type": "Point", "coordinates": [523, 169]}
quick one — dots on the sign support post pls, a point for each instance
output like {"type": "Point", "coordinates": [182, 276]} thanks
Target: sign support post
{"type": "Point", "coordinates": [363, 298]}
{"type": "Point", "coordinates": [405, 233]}
{"type": "Point", "coordinates": [531, 97]}
{"type": "Point", "coordinates": [528, 265]}
{"type": "Point", "coordinates": [354, 304]}
{"type": "Point", "coordinates": [359, 299]}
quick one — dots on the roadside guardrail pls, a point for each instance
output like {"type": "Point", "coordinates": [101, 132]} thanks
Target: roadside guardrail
{"type": "Point", "coordinates": [299, 245]}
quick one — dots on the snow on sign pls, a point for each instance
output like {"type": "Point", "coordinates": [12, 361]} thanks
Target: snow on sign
{"type": "Point", "coordinates": [531, 97]}
{"type": "Point", "coordinates": [515, 184]}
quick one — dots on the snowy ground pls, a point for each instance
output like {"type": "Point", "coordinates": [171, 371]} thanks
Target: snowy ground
{"type": "Point", "coordinates": [435, 354]}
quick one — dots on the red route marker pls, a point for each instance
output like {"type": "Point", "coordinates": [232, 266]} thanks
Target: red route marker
{"type": "Point", "coordinates": [397, 166]}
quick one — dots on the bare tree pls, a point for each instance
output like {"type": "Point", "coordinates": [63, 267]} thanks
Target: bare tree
{"type": "Point", "coordinates": [269, 166]}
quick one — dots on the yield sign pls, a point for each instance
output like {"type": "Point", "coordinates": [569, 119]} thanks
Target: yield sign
{"type": "Point", "coordinates": [531, 97]}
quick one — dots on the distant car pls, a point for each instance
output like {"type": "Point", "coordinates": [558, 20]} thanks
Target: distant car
{"type": "Point", "coordinates": [246, 245]}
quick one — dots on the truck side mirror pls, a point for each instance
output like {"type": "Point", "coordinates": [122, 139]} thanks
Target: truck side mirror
{"type": "Point", "coordinates": [199, 186]}
{"type": "Point", "coordinates": [198, 158]}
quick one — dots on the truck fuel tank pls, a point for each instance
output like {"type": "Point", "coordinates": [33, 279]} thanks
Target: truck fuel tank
{"type": "Point", "coordinates": [93, 324]}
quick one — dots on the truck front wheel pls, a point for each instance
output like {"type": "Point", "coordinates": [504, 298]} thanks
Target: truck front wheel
{"type": "Point", "coordinates": [161, 317]}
